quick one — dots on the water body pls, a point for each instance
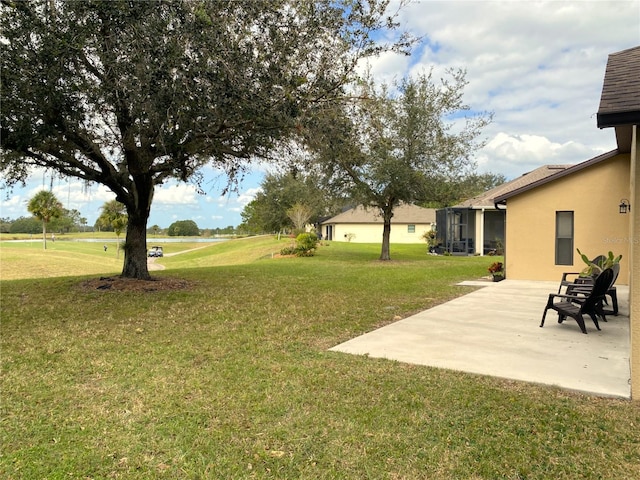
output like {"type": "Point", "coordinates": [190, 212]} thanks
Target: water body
{"type": "Point", "coordinates": [156, 240]}
{"type": "Point", "coordinates": [114, 240]}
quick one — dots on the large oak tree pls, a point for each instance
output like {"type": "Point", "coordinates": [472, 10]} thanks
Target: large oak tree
{"type": "Point", "coordinates": [133, 94]}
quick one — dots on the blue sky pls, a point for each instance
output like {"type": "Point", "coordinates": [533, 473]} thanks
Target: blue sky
{"type": "Point", "coordinates": [538, 66]}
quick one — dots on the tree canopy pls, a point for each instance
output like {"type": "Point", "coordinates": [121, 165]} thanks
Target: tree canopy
{"type": "Point", "coordinates": [133, 94]}
{"type": "Point", "coordinates": [183, 228]}
{"type": "Point", "coordinates": [113, 217]}
{"type": "Point", "coordinates": [279, 193]}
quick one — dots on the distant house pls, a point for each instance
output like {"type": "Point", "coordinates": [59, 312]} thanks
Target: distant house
{"type": "Point", "coordinates": [476, 226]}
{"type": "Point", "coordinates": [594, 206]}
{"type": "Point", "coordinates": [364, 225]}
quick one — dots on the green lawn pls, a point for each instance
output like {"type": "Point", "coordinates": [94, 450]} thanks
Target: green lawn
{"type": "Point", "coordinates": [231, 378]}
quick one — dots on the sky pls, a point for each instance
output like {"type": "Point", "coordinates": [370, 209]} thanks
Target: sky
{"type": "Point", "coordinates": [538, 66]}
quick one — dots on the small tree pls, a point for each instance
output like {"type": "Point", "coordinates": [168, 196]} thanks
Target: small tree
{"type": "Point", "coordinates": [299, 215]}
{"type": "Point", "coordinates": [45, 206]}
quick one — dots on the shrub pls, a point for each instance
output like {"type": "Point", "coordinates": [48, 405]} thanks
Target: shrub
{"type": "Point", "coordinates": [288, 251]}
{"type": "Point", "coordinates": [306, 244]}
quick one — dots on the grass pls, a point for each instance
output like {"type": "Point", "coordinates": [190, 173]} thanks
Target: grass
{"type": "Point", "coordinates": [231, 378]}
{"type": "Point", "coordinates": [66, 257]}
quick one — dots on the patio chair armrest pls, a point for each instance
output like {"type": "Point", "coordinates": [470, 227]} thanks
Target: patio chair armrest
{"type": "Point", "coordinates": [558, 295]}
{"type": "Point", "coordinates": [566, 274]}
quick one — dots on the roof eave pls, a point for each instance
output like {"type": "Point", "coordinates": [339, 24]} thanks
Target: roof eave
{"type": "Point", "coordinates": [606, 120]}
{"type": "Point", "coordinates": [500, 199]}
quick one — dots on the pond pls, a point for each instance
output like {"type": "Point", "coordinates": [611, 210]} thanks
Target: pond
{"type": "Point", "coordinates": [157, 240]}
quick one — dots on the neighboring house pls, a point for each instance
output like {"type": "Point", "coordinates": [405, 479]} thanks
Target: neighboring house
{"type": "Point", "coordinates": [476, 226]}
{"type": "Point", "coordinates": [364, 225]}
{"type": "Point", "coordinates": [583, 206]}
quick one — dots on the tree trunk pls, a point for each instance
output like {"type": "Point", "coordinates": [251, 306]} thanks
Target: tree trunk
{"type": "Point", "coordinates": [44, 234]}
{"type": "Point", "coordinates": [135, 251]}
{"type": "Point", "coordinates": [387, 214]}
{"type": "Point", "coordinates": [386, 233]}
{"type": "Point", "coordinates": [135, 248]}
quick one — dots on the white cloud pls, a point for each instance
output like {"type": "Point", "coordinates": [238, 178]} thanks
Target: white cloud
{"type": "Point", "coordinates": [537, 65]}
{"type": "Point", "coordinates": [248, 195]}
{"type": "Point", "coordinates": [75, 194]}
{"type": "Point", "coordinates": [13, 206]}
{"type": "Point", "coordinates": [514, 155]}
{"type": "Point", "coordinates": [176, 194]}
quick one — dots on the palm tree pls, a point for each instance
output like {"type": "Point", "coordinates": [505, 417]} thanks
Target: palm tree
{"type": "Point", "coordinates": [45, 206]}
{"type": "Point", "coordinates": [114, 216]}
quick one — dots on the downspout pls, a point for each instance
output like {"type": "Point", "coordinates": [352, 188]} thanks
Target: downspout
{"type": "Point", "coordinates": [503, 203]}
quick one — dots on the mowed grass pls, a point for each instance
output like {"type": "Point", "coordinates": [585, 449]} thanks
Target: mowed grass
{"type": "Point", "coordinates": [231, 378]}
{"type": "Point", "coordinates": [28, 259]}
{"type": "Point", "coordinates": [68, 257]}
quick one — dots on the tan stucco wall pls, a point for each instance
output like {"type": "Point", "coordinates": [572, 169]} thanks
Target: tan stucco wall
{"type": "Point", "coordinates": [593, 194]}
{"type": "Point", "coordinates": [372, 233]}
{"type": "Point", "coordinates": [634, 290]}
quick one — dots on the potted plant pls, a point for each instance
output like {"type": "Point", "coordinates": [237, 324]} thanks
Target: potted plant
{"type": "Point", "coordinates": [594, 269]}
{"type": "Point", "coordinates": [497, 271]}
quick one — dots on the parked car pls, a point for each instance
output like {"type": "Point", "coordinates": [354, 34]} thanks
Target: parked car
{"type": "Point", "coordinates": [156, 252]}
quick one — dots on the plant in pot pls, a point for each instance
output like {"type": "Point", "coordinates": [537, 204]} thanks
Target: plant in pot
{"type": "Point", "coordinates": [596, 266]}
{"type": "Point", "coordinates": [497, 271]}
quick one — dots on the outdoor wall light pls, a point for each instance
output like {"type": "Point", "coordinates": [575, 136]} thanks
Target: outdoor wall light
{"type": "Point", "coordinates": [625, 206]}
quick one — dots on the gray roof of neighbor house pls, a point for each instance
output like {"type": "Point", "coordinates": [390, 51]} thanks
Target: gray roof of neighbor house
{"type": "Point", "coordinates": [620, 100]}
{"type": "Point", "coordinates": [559, 174]}
{"type": "Point", "coordinates": [487, 199]}
{"type": "Point", "coordinates": [404, 213]}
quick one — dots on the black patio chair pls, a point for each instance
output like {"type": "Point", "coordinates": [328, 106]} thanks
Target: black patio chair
{"type": "Point", "coordinates": [592, 303]}
{"type": "Point", "coordinates": [566, 281]}
{"type": "Point", "coordinates": [581, 288]}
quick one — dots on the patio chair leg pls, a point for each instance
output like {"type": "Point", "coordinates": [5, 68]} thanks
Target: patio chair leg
{"type": "Point", "coordinates": [581, 324]}
{"type": "Point", "coordinates": [595, 320]}
{"type": "Point", "coordinates": [543, 317]}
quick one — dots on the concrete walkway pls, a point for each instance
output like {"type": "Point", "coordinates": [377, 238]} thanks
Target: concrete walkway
{"type": "Point", "coordinates": [495, 331]}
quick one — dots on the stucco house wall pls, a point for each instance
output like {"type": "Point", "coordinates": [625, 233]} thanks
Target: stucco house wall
{"type": "Point", "coordinates": [365, 225]}
{"type": "Point", "coordinates": [593, 194]}
{"type": "Point", "coordinates": [634, 245]}
{"type": "Point", "coordinates": [372, 233]}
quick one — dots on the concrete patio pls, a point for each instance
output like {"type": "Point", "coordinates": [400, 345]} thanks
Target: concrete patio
{"type": "Point", "coordinates": [495, 331]}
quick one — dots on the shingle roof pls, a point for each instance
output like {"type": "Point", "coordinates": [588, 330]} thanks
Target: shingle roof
{"type": "Point", "coordinates": [404, 213]}
{"type": "Point", "coordinates": [620, 100]}
{"type": "Point", "coordinates": [487, 199]}
{"type": "Point", "coordinates": [559, 174]}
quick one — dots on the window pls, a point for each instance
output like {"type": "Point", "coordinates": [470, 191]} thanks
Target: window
{"type": "Point", "coordinates": [411, 229]}
{"type": "Point", "coordinates": [564, 238]}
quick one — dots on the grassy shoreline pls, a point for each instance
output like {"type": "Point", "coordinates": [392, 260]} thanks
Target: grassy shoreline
{"type": "Point", "coordinates": [231, 378]}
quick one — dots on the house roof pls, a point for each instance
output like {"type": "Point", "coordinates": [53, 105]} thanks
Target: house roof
{"type": "Point", "coordinates": [559, 174]}
{"type": "Point", "coordinates": [487, 199]}
{"type": "Point", "coordinates": [404, 213]}
{"type": "Point", "coordinates": [620, 100]}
